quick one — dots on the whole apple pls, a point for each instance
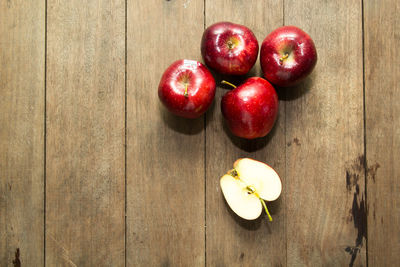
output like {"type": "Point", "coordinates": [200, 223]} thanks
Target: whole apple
{"type": "Point", "coordinates": [229, 48]}
{"type": "Point", "coordinates": [288, 55]}
{"type": "Point", "coordinates": [251, 108]}
{"type": "Point", "coordinates": [187, 88]}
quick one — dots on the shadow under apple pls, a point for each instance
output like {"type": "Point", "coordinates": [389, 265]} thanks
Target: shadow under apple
{"type": "Point", "coordinates": [250, 145]}
{"type": "Point", "coordinates": [274, 206]}
{"type": "Point", "coordinates": [253, 225]}
{"type": "Point", "coordinates": [180, 124]}
{"type": "Point", "coordinates": [295, 92]}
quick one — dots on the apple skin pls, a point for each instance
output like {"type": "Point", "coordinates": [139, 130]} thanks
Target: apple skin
{"type": "Point", "coordinates": [251, 109]}
{"type": "Point", "coordinates": [200, 88]}
{"type": "Point", "coordinates": [301, 60]}
{"type": "Point", "coordinates": [229, 48]}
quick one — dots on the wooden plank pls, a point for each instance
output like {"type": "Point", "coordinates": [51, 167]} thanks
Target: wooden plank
{"type": "Point", "coordinates": [382, 94]}
{"type": "Point", "coordinates": [22, 55]}
{"type": "Point", "coordinates": [85, 133]}
{"type": "Point", "coordinates": [232, 241]}
{"type": "Point", "coordinates": [326, 223]}
{"type": "Point", "coordinates": [165, 154]}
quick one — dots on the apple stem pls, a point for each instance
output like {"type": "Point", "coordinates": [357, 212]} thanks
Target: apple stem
{"type": "Point", "coordinates": [253, 191]}
{"type": "Point", "coordinates": [266, 209]}
{"type": "Point", "coordinates": [228, 83]}
{"type": "Point", "coordinates": [285, 56]}
{"type": "Point", "coordinates": [186, 91]}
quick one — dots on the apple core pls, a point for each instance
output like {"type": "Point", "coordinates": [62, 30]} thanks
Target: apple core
{"type": "Point", "coordinates": [250, 190]}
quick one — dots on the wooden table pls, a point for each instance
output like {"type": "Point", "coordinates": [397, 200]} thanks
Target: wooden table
{"type": "Point", "coordinates": [95, 172]}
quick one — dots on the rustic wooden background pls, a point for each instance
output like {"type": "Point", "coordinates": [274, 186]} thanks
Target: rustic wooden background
{"type": "Point", "coordinates": [95, 172]}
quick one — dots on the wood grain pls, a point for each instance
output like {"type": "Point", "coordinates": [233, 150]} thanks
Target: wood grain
{"type": "Point", "coordinates": [175, 212]}
{"type": "Point", "coordinates": [326, 223]}
{"type": "Point", "coordinates": [165, 154]}
{"type": "Point", "coordinates": [22, 54]}
{"type": "Point", "coordinates": [232, 241]}
{"type": "Point", "coordinates": [382, 94]}
{"type": "Point", "coordinates": [85, 133]}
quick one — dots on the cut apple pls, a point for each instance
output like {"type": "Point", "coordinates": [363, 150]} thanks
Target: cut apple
{"type": "Point", "coordinates": [261, 176]}
{"type": "Point", "coordinates": [247, 186]}
{"type": "Point", "coordinates": [246, 205]}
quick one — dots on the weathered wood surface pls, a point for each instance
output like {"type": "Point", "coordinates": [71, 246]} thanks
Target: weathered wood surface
{"type": "Point", "coordinates": [382, 109]}
{"type": "Point", "coordinates": [326, 223]}
{"type": "Point", "coordinates": [22, 57]}
{"type": "Point", "coordinates": [85, 157]}
{"type": "Point", "coordinates": [165, 154]}
{"type": "Point", "coordinates": [112, 179]}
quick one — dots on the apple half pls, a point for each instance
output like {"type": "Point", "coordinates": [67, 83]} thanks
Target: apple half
{"type": "Point", "coordinates": [247, 185]}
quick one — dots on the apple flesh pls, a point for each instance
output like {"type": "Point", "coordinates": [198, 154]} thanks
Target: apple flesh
{"type": "Point", "coordinates": [287, 56]}
{"type": "Point", "coordinates": [250, 109]}
{"type": "Point", "coordinates": [187, 88]}
{"type": "Point", "coordinates": [229, 48]}
{"type": "Point", "coordinates": [247, 186]}
{"type": "Point", "coordinates": [248, 206]}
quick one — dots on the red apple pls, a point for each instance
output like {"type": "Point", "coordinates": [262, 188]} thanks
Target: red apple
{"type": "Point", "coordinates": [187, 88]}
{"type": "Point", "coordinates": [229, 48]}
{"type": "Point", "coordinates": [288, 55]}
{"type": "Point", "coordinates": [251, 108]}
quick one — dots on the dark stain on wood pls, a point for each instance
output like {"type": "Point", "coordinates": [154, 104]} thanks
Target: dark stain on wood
{"type": "Point", "coordinates": [358, 211]}
{"type": "Point", "coordinates": [360, 223]}
{"type": "Point", "coordinates": [16, 262]}
{"type": "Point", "coordinates": [371, 171]}
{"type": "Point", "coordinates": [348, 180]}
{"type": "Point", "coordinates": [295, 141]}
{"type": "Point", "coordinates": [349, 218]}
{"type": "Point", "coordinates": [241, 256]}
{"type": "Point", "coordinates": [360, 217]}
{"type": "Point", "coordinates": [361, 161]}
{"type": "Point", "coordinates": [166, 263]}
{"type": "Point", "coordinates": [354, 171]}
{"type": "Point", "coordinates": [351, 179]}
{"type": "Point", "coordinates": [353, 252]}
